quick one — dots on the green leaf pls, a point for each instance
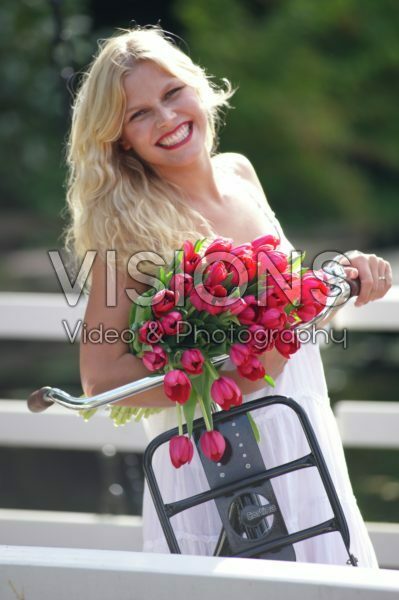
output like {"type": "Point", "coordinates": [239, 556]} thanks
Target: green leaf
{"type": "Point", "coordinates": [254, 427]}
{"type": "Point", "coordinates": [162, 276]}
{"type": "Point", "coordinates": [270, 380]}
{"type": "Point", "coordinates": [298, 262]}
{"type": "Point", "coordinates": [198, 244]}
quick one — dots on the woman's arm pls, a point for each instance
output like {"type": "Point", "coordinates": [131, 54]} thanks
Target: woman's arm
{"type": "Point", "coordinates": [105, 362]}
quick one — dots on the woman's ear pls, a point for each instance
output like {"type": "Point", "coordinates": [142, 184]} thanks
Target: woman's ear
{"type": "Point", "coordinates": [124, 145]}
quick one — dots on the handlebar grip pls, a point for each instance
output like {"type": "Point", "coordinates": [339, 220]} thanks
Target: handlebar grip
{"type": "Point", "coordinates": [354, 285]}
{"type": "Point", "coordinates": [37, 401]}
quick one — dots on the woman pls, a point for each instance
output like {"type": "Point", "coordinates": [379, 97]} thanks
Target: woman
{"type": "Point", "coordinates": [144, 177]}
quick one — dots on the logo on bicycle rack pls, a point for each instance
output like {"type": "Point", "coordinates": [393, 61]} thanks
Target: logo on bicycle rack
{"type": "Point", "coordinates": [251, 515]}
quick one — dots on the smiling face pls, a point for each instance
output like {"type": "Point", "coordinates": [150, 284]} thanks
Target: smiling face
{"type": "Point", "coordinates": [164, 123]}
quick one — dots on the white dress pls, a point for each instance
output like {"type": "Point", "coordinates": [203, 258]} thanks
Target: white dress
{"type": "Point", "coordinates": [301, 496]}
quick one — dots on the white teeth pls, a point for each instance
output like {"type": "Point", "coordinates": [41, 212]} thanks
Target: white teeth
{"type": "Point", "coordinates": [176, 137]}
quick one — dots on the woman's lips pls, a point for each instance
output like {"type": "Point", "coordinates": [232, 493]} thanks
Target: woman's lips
{"type": "Point", "coordinates": [179, 136]}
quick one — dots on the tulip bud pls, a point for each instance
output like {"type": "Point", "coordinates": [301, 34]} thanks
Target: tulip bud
{"type": "Point", "coordinates": [213, 445]}
{"type": "Point", "coordinates": [177, 386]}
{"type": "Point", "coordinates": [226, 393]}
{"type": "Point", "coordinates": [192, 361]}
{"type": "Point", "coordinates": [155, 359]}
{"type": "Point", "coordinates": [181, 450]}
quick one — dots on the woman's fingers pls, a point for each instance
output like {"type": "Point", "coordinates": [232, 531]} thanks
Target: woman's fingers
{"type": "Point", "coordinates": [375, 276]}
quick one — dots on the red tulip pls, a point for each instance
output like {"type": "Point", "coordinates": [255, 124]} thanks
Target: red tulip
{"type": "Point", "coordinates": [151, 332]}
{"type": "Point", "coordinates": [252, 369]}
{"type": "Point", "coordinates": [170, 322]}
{"type": "Point", "coordinates": [261, 339]}
{"type": "Point", "coordinates": [287, 343]}
{"type": "Point", "coordinates": [182, 283]}
{"type": "Point", "coordinates": [155, 359]}
{"type": "Point", "coordinates": [181, 450]}
{"type": "Point", "coordinates": [177, 386]}
{"type": "Point", "coordinates": [192, 361]}
{"type": "Point", "coordinates": [226, 393]}
{"type": "Point", "coordinates": [215, 274]}
{"type": "Point", "coordinates": [278, 259]}
{"type": "Point", "coordinates": [308, 311]}
{"type": "Point", "coordinates": [265, 240]}
{"type": "Point", "coordinates": [190, 258]}
{"type": "Point", "coordinates": [213, 445]}
{"type": "Point", "coordinates": [219, 244]}
{"type": "Point", "coordinates": [314, 289]}
{"type": "Point", "coordinates": [273, 318]}
{"type": "Point", "coordinates": [163, 302]}
{"type": "Point", "coordinates": [249, 315]}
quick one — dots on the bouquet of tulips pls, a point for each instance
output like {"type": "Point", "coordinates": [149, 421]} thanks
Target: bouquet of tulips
{"type": "Point", "coordinates": [215, 300]}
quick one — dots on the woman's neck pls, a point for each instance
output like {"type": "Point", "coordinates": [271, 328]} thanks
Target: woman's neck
{"type": "Point", "coordinates": [197, 181]}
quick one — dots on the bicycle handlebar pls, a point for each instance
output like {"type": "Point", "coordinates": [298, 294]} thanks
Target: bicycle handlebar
{"type": "Point", "coordinates": [43, 398]}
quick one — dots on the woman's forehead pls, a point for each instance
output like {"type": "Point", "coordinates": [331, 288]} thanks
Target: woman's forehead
{"type": "Point", "coordinates": [146, 77]}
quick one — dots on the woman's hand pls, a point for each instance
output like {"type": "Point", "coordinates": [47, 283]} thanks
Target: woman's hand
{"type": "Point", "coordinates": [374, 272]}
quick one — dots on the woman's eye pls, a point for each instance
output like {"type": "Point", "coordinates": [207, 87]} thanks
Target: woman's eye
{"type": "Point", "coordinates": [137, 114]}
{"type": "Point", "coordinates": [173, 91]}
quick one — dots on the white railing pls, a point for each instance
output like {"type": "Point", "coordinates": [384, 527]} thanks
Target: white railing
{"type": "Point", "coordinates": [61, 573]}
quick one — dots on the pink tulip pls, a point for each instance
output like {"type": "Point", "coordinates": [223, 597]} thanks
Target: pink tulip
{"type": "Point", "coordinates": [213, 445]}
{"type": "Point", "coordinates": [226, 393]}
{"type": "Point", "coordinates": [192, 361]}
{"type": "Point", "coordinates": [177, 386]}
{"type": "Point", "coordinates": [181, 450]}
{"type": "Point", "coordinates": [239, 353]}
{"type": "Point", "coordinates": [171, 321]}
{"type": "Point", "coordinates": [155, 359]}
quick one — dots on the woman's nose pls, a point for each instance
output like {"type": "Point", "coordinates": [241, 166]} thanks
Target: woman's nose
{"type": "Point", "coordinates": [165, 115]}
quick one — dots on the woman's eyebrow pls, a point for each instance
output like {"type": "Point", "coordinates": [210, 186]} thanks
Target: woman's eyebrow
{"type": "Point", "coordinates": [138, 106]}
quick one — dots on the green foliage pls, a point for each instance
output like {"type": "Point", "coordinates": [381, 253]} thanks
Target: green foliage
{"type": "Point", "coordinates": [34, 100]}
{"type": "Point", "coordinates": [317, 100]}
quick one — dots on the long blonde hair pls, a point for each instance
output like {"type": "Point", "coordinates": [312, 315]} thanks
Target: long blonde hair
{"type": "Point", "coordinates": [116, 201]}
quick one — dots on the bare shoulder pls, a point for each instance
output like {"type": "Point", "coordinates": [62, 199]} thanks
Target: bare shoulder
{"type": "Point", "coordinates": [240, 165]}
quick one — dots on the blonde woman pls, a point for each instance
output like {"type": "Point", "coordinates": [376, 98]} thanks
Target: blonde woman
{"type": "Point", "coordinates": [144, 176]}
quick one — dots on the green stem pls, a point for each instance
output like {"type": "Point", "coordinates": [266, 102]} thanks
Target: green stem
{"type": "Point", "coordinates": [202, 405]}
{"type": "Point", "coordinates": [179, 418]}
{"type": "Point", "coordinates": [211, 370]}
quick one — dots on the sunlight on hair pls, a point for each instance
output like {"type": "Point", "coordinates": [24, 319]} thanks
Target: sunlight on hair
{"type": "Point", "coordinates": [115, 199]}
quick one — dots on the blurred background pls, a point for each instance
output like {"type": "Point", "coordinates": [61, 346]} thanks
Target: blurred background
{"type": "Point", "coordinates": [315, 112]}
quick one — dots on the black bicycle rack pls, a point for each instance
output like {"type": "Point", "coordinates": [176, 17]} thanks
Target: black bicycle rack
{"type": "Point", "coordinates": [240, 484]}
